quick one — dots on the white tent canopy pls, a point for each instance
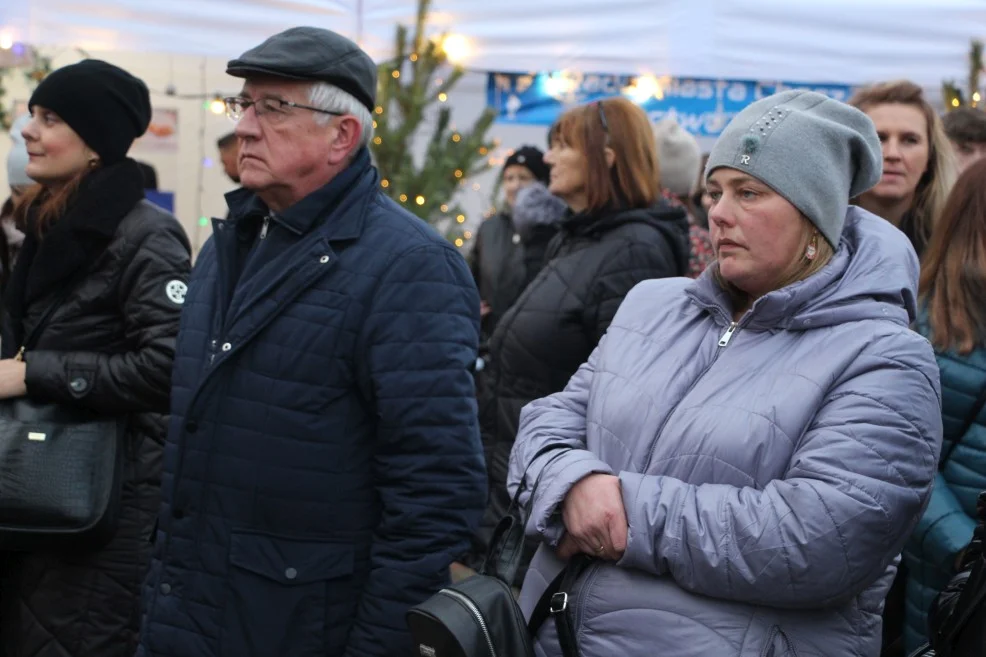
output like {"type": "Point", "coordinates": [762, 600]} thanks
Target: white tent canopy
{"type": "Point", "coordinates": [842, 41]}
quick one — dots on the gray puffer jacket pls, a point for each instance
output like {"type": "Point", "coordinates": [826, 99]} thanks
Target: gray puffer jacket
{"type": "Point", "coordinates": [771, 470]}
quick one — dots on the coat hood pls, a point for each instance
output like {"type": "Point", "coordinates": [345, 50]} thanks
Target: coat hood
{"type": "Point", "coordinates": [873, 275]}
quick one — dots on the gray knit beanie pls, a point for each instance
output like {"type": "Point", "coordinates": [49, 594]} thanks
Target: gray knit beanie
{"type": "Point", "coordinates": [814, 151]}
{"type": "Point", "coordinates": [679, 157]}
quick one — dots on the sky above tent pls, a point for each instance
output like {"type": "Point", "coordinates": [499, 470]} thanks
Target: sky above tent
{"type": "Point", "coordinates": [843, 41]}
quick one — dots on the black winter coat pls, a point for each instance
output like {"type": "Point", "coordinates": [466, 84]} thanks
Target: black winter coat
{"type": "Point", "coordinates": [124, 265]}
{"type": "Point", "coordinates": [542, 340]}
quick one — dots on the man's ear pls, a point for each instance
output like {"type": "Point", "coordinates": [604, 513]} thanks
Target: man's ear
{"type": "Point", "coordinates": [344, 139]}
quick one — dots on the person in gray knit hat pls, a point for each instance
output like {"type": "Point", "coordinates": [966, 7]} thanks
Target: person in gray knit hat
{"type": "Point", "coordinates": [814, 151]}
{"type": "Point", "coordinates": [751, 449]}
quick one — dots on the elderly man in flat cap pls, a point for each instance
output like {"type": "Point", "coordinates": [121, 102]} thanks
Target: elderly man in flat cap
{"type": "Point", "coordinates": [323, 467]}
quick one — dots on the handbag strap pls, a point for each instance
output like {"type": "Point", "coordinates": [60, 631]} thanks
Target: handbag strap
{"type": "Point", "coordinates": [554, 602]}
{"type": "Point", "coordinates": [39, 328]}
{"type": "Point", "coordinates": [977, 408]}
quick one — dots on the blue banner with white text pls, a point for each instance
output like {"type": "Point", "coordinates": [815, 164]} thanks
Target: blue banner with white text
{"type": "Point", "coordinates": [702, 106]}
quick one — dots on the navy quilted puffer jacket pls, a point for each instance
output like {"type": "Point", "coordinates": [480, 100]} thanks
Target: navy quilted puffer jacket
{"type": "Point", "coordinates": [323, 466]}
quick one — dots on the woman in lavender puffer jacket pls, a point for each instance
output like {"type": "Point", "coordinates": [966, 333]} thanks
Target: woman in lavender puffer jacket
{"type": "Point", "coordinates": [746, 454]}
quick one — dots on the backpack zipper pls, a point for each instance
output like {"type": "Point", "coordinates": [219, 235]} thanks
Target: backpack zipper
{"type": "Point", "coordinates": [478, 615]}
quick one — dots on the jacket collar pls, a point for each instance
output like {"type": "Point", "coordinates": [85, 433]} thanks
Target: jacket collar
{"type": "Point", "coordinates": [873, 275]}
{"type": "Point", "coordinates": [304, 215]}
{"type": "Point", "coordinates": [76, 239]}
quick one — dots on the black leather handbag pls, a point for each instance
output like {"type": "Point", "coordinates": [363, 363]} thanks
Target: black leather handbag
{"type": "Point", "coordinates": [479, 617]}
{"type": "Point", "coordinates": [61, 471]}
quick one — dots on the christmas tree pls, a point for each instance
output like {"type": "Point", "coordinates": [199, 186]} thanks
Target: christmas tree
{"type": "Point", "coordinates": [412, 85]}
{"type": "Point", "coordinates": [953, 95]}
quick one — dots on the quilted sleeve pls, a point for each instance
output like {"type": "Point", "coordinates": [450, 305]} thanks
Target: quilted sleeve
{"type": "Point", "coordinates": [944, 530]}
{"type": "Point", "coordinates": [621, 270]}
{"type": "Point", "coordinates": [857, 483]}
{"type": "Point", "coordinates": [152, 287]}
{"type": "Point", "coordinates": [419, 342]}
{"type": "Point", "coordinates": [557, 420]}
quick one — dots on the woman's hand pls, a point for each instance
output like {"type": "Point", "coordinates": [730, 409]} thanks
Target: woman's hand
{"type": "Point", "coordinates": [595, 519]}
{"type": "Point", "coordinates": [12, 378]}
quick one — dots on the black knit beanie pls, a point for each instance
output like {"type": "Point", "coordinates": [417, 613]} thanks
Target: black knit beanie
{"type": "Point", "coordinates": [106, 106]}
{"type": "Point", "coordinates": [532, 159]}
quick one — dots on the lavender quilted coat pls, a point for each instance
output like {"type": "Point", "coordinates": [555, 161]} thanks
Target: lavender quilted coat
{"type": "Point", "coordinates": [771, 470]}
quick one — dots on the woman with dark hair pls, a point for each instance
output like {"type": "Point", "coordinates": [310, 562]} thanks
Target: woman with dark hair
{"type": "Point", "coordinates": [499, 245]}
{"type": "Point", "coordinates": [618, 231]}
{"type": "Point", "coordinates": [103, 273]}
{"type": "Point", "coordinates": [953, 318]}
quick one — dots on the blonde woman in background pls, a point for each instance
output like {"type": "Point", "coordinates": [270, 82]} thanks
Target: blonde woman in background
{"type": "Point", "coordinates": [918, 163]}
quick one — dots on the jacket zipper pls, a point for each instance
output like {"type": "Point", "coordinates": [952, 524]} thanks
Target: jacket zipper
{"type": "Point", "coordinates": [723, 343]}
{"type": "Point", "coordinates": [727, 336]}
{"type": "Point", "coordinates": [474, 610]}
{"type": "Point", "coordinates": [20, 355]}
{"type": "Point", "coordinates": [265, 227]}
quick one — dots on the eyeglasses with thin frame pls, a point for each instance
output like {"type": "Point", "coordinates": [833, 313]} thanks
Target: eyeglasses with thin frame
{"type": "Point", "coordinates": [273, 108]}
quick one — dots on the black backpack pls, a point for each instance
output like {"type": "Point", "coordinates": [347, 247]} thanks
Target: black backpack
{"type": "Point", "coordinates": [479, 617]}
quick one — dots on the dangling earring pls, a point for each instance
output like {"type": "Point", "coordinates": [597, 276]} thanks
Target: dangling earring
{"type": "Point", "coordinates": [812, 249]}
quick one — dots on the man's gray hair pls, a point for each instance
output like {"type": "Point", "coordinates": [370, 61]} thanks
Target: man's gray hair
{"type": "Point", "coordinates": [328, 97]}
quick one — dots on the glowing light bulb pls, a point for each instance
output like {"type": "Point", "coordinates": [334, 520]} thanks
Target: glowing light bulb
{"type": "Point", "coordinates": [396, 74]}
{"type": "Point", "coordinates": [458, 241]}
{"type": "Point", "coordinates": [457, 137]}
{"type": "Point", "coordinates": [378, 110]}
{"type": "Point", "coordinates": [467, 235]}
{"type": "Point", "coordinates": [458, 173]}
{"type": "Point", "coordinates": [378, 140]}
{"type": "Point", "coordinates": [403, 198]}
{"type": "Point", "coordinates": [644, 88]}
{"type": "Point", "coordinates": [420, 200]}
{"type": "Point", "coordinates": [955, 102]}
{"type": "Point", "coordinates": [976, 97]}
{"type": "Point", "coordinates": [6, 40]}
{"type": "Point", "coordinates": [475, 187]}
{"type": "Point", "coordinates": [443, 97]}
{"type": "Point", "coordinates": [217, 106]}
{"type": "Point", "coordinates": [385, 183]}
{"type": "Point", "coordinates": [444, 208]}
{"type": "Point", "coordinates": [456, 47]}
{"type": "Point", "coordinates": [413, 57]}
{"type": "Point", "coordinates": [461, 219]}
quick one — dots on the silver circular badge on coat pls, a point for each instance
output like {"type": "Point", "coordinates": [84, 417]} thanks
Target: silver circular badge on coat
{"type": "Point", "coordinates": [176, 291]}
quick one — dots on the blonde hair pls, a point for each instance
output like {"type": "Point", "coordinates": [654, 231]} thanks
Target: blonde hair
{"type": "Point", "coordinates": [800, 269]}
{"type": "Point", "coordinates": [936, 183]}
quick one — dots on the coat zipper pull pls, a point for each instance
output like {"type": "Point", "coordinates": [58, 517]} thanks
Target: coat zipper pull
{"type": "Point", "coordinates": [263, 229]}
{"type": "Point", "coordinates": [727, 336]}
{"type": "Point", "coordinates": [20, 355]}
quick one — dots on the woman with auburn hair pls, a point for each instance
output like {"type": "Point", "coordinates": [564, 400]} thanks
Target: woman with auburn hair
{"type": "Point", "coordinates": [918, 162]}
{"type": "Point", "coordinates": [953, 318]}
{"type": "Point", "coordinates": [91, 312]}
{"type": "Point", "coordinates": [618, 231]}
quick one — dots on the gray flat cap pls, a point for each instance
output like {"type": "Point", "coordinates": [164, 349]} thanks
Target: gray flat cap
{"type": "Point", "coordinates": [311, 53]}
{"type": "Point", "coordinates": [814, 151]}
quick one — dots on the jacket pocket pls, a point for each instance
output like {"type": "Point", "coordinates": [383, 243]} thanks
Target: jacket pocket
{"type": "Point", "coordinates": [280, 591]}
